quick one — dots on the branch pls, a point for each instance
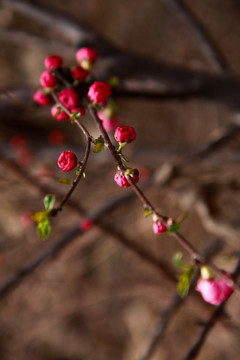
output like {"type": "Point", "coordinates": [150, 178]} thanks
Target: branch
{"type": "Point", "coordinates": [140, 75]}
{"type": "Point", "coordinates": [209, 46]}
{"type": "Point", "coordinates": [216, 314]}
{"type": "Point", "coordinates": [54, 249]}
{"type": "Point", "coordinates": [167, 315]}
{"type": "Point", "coordinates": [24, 39]}
{"type": "Point", "coordinates": [194, 254]}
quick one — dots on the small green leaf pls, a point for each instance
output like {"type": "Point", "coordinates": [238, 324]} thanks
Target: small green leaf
{"type": "Point", "coordinates": [123, 156]}
{"type": "Point", "coordinates": [147, 212]}
{"type": "Point", "coordinates": [177, 259]}
{"type": "Point", "coordinates": [176, 225]}
{"type": "Point", "coordinates": [49, 202]}
{"type": "Point", "coordinates": [65, 181]}
{"type": "Point", "coordinates": [84, 175]}
{"type": "Point", "coordinates": [174, 228]}
{"type": "Point", "coordinates": [99, 145]}
{"type": "Point", "coordinates": [39, 216]}
{"type": "Point", "coordinates": [182, 217]}
{"type": "Point", "coordinates": [44, 228]}
{"type": "Point", "coordinates": [74, 116]}
{"type": "Point", "coordinates": [185, 280]}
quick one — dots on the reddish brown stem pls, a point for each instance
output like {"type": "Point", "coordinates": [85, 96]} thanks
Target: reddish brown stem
{"type": "Point", "coordinates": [195, 255]}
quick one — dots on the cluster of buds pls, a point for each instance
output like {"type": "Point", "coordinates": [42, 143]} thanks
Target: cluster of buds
{"type": "Point", "coordinates": [125, 135]}
{"type": "Point", "coordinates": [64, 85]}
{"type": "Point", "coordinates": [55, 78]}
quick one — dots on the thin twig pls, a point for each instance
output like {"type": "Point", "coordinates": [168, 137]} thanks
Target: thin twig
{"type": "Point", "coordinates": [195, 255]}
{"type": "Point", "coordinates": [167, 315]}
{"type": "Point", "coordinates": [54, 211]}
{"type": "Point", "coordinates": [216, 314]}
{"type": "Point", "coordinates": [205, 39]}
{"type": "Point", "coordinates": [24, 39]}
{"type": "Point", "coordinates": [69, 236]}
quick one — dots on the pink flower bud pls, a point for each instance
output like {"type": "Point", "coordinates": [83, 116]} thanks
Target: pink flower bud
{"type": "Point", "coordinates": [79, 109]}
{"type": "Point", "coordinates": [56, 137]}
{"type": "Point", "coordinates": [86, 225]}
{"type": "Point", "coordinates": [159, 227]}
{"type": "Point", "coordinates": [99, 92]}
{"type": "Point", "coordinates": [68, 97]}
{"type": "Point", "coordinates": [58, 114]}
{"type": "Point", "coordinates": [122, 180]}
{"type": "Point", "coordinates": [86, 53]}
{"type": "Point", "coordinates": [79, 73]}
{"type": "Point", "coordinates": [42, 99]}
{"type": "Point", "coordinates": [47, 80]}
{"type": "Point", "coordinates": [67, 161]}
{"type": "Point", "coordinates": [125, 134]}
{"type": "Point", "coordinates": [108, 123]}
{"type": "Point", "coordinates": [53, 61]}
{"type": "Point", "coordinates": [214, 291]}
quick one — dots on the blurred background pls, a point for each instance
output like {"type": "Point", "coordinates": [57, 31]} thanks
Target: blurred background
{"type": "Point", "coordinates": [103, 293]}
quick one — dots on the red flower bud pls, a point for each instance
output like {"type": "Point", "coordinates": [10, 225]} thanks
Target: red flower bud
{"type": "Point", "coordinates": [69, 98]}
{"type": "Point", "coordinates": [47, 80]}
{"type": "Point", "coordinates": [53, 61]}
{"type": "Point", "coordinates": [159, 227]}
{"type": "Point", "coordinates": [40, 98]}
{"type": "Point", "coordinates": [125, 134]}
{"type": "Point", "coordinates": [214, 291]}
{"type": "Point", "coordinates": [79, 73]}
{"type": "Point", "coordinates": [86, 53]}
{"type": "Point", "coordinates": [99, 92]}
{"type": "Point", "coordinates": [59, 114]}
{"type": "Point", "coordinates": [79, 109]}
{"type": "Point", "coordinates": [67, 161]}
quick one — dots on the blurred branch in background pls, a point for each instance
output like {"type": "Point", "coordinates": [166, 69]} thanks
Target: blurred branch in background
{"type": "Point", "coordinates": [177, 301]}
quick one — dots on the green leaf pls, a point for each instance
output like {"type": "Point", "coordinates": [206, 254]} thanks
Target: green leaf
{"type": "Point", "coordinates": [123, 156]}
{"type": "Point", "coordinates": [49, 202]}
{"type": "Point", "coordinates": [84, 175]}
{"type": "Point", "coordinates": [74, 116]}
{"type": "Point", "coordinates": [174, 228]}
{"type": "Point", "coordinates": [176, 225]}
{"type": "Point", "coordinates": [177, 259]}
{"type": "Point", "coordinates": [182, 217]}
{"type": "Point", "coordinates": [185, 280]}
{"type": "Point", "coordinates": [65, 181]}
{"type": "Point", "coordinates": [99, 145]}
{"type": "Point", "coordinates": [44, 228]}
{"type": "Point", "coordinates": [39, 216]}
{"type": "Point", "coordinates": [147, 212]}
